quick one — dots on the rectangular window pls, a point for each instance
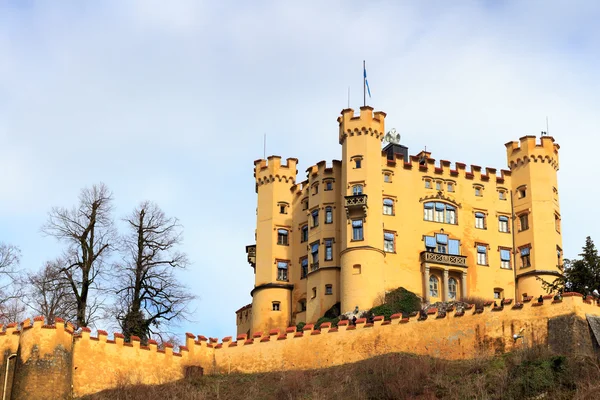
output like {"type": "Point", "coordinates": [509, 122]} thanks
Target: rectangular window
{"type": "Point", "coordinates": [304, 204]}
{"type": "Point", "coordinates": [388, 207]}
{"type": "Point", "coordinates": [505, 258]}
{"type": "Point", "coordinates": [315, 218]}
{"type": "Point", "coordinates": [303, 268]}
{"type": "Point", "coordinates": [525, 257]}
{"type": "Point", "coordinates": [357, 189]}
{"type": "Point", "coordinates": [357, 163]}
{"type": "Point", "coordinates": [386, 178]}
{"type": "Point", "coordinates": [282, 209]}
{"type": "Point", "coordinates": [282, 270]}
{"type": "Point", "coordinates": [314, 251]}
{"type": "Point", "coordinates": [502, 195]}
{"type": "Point", "coordinates": [304, 236]}
{"type": "Point", "coordinates": [282, 237]}
{"type": "Point", "coordinates": [314, 292]}
{"type": "Point", "coordinates": [454, 247]}
{"type": "Point", "coordinates": [441, 243]}
{"type": "Point", "coordinates": [302, 305]}
{"type": "Point", "coordinates": [427, 184]}
{"type": "Point", "coordinates": [428, 211]}
{"type": "Point", "coordinates": [328, 289]}
{"type": "Point", "coordinates": [438, 186]}
{"type": "Point", "coordinates": [482, 255]}
{"type": "Point", "coordinates": [328, 215]}
{"type": "Point", "coordinates": [328, 249]}
{"type": "Point", "coordinates": [450, 187]}
{"type": "Point", "coordinates": [557, 223]}
{"type": "Point", "coordinates": [357, 229]}
{"type": "Point", "coordinates": [522, 192]}
{"type": "Point", "coordinates": [275, 306]}
{"type": "Point", "coordinates": [523, 222]}
{"type": "Point", "coordinates": [503, 224]}
{"type": "Point", "coordinates": [328, 186]}
{"type": "Point", "coordinates": [315, 188]}
{"type": "Point", "coordinates": [450, 215]}
{"type": "Point", "coordinates": [430, 243]}
{"type": "Point", "coordinates": [438, 216]}
{"type": "Point", "coordinates": [479, 220]}
{"type": "Point", "coordinates": [389, 242]}
{"type": "Point", "coordinates": [477, 192]}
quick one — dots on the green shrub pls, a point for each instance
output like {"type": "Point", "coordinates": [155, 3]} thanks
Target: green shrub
{"type": "Point", "coordinates": [333, 312]}
{"type": "Point", "coordinates": [397, 301]}
{"type": "Point", "coordinates": [300, 326]}
{"type": "Point", "coordinates": [334, 322]}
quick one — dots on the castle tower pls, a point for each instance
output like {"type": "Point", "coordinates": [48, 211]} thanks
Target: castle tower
{"type": "Point", "coordinates": [271, 296]}
{"type": "Point", "coordinates": [536, 212]}
{"type": "Point", "coordinates": [361, 257]}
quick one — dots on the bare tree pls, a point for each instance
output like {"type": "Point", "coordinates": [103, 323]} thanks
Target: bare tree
{"type": "Point", "coordinates": [10, 290]}
{"type": "Point", "coordinates": [89, 234]}
{"type": "Point", "coordinates": [149, 293]}
{"type": "Point", "coordinates": [50, 294]}
{"type": "Point", "coordinates": [12, 310]}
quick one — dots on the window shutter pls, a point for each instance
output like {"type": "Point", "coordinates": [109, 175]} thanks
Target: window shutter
{"type": "Point", "coordinates": [388, 202]}
{"type": "Point", "coordinates": [282, 265]}
{"type": "Point", "coordinates": [481, 249]}
{"type": "Point", "coordinates": [314, 247]}
{"type": "Point", "coordinates": [525, 251]}
{"type": "Point", "coordinates": [357, 223]}
{"type": "Point", "coordinates": [504, 255]}
{"type": "Point", "coordinates": [441, 238]}
{"type": "Point", "coordinates": [429, 241]}
{"type": "Point", "coordinates": [479, 215]}
{"type": "Point", "coordinates": [282, 232]}
{"type": "Point", "coordinates": [503, 218]}
{"type": "Point", "coordinates": [428, 205]}
{"type": "Point", "coordinates": [305, 262]}
{"type": "Point", "coordinates": [388, 236]}
{"type": "Point", "coordinates": [454, 247]}
{"type": "Point", "coordinates": [439, 206]}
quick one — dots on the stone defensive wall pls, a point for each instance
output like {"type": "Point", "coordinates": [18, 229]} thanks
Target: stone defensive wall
{"type": "Point", "coordinates": [53, 362]}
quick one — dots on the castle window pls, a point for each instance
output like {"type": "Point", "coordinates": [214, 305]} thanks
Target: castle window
{"type": "Point", "coordinates": [441, 243]}
{"type": "Point", "coordinates": [439, 212]}
{"type": "Point", "coordinates": [502, 195]}
{"type": "Point", "coordinates": [356, 269]}
{"type": "Point", "coordinates": [557, 223]}
{"type": "Point", "coordinates": [522, 192]}
{"type": "Point", "coordinates": [314, 251]}
{"type": "Point", "coordinates": [479, 220]}
{"type": "Point", "coordinates": [433, 286]}
{"type": "Point", "coordinates": [523, 222]}
{"type": "Point", "coordinates": [302, 305]}
{"type": "Point", "coordinates": [357, 189]}
{"type": "Point", "coordinates": [305, 204]}
{"type": "Point", "coordinates": [328, 185]}
{"type": "Point", "coordinates": [357, 163]}
{"type": "Point", "coordinates": [314, 292]}
{"type": "Point", "coordinates": [505, 258]}
{"type": "Point", "coordinates": [481, 255]}
{"type": "Point", "coordinates": [282, 237]}
{"type": "Point", "coordinates": [328, 215]}
{"type": "Point", "coordinates": [315, 218]}
{"type": "Point", "coordinates": [388, 207]}
{"type": "Point", "coordinates": [387, 178]}
{"type": "Point", "coordinates": [478, 191]}
{"type": "Point", "coordinates": [389, 242]}
{"type": "Point", "coordinates": [357, 229]}
{"type": "Point", "coordinates": [452, 285]}
{"type": "Point", "coordinates": [498, 294]}
{"type": "Point", "coordinates": [438, 185]}
{"type": "Point", "coordinates": [315, 188]}
{"type": "Point", "coordinates": [328, 249]}
{"type": "Point", "coordinates": [427, 184]}
{"type": "Point", "coordinates": [283, 208]}
{"type": "Point", "coordinates": [525, 257]}
{"type": "Point", "coordinates": [328, 289]}
{"type": "Point", "coordinates": [304, 234]}
{"type": "Point", "coordinates": [559, 256]}
{"type": "Point", "coordinates": [276, 306]}
{"type": "Point", "coordinates": [282, 270]}
{"type": "Point", "coordinates": [303, 267]}
{"type": "Point", "coordinates": [503, 224]}
{"type": "Point", "coordinates": [450, 187]}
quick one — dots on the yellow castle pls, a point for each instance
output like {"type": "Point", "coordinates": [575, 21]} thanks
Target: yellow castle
{"type": "Point", "coordinates": [380, 219]}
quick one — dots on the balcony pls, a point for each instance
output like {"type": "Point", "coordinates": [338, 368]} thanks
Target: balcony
{"type": "Point", "coordinates": [251, 252]}
{"type": "Point", "coordinates": [356, 205]}
{"type": "Point", "coordinates": [314, 266]}
{"type": "Point", "coordinates": [445, 259]}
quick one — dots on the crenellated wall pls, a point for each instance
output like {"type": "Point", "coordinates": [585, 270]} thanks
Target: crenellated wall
{"type": "Point", "coordinates": [52, 358]}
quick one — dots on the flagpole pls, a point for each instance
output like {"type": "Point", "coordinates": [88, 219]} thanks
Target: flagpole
{"type": "Point", "coordinates": [364, 84]}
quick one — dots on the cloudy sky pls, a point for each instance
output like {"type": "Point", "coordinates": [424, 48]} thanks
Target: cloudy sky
{"type": "Point", "coordinates": [169, 101]}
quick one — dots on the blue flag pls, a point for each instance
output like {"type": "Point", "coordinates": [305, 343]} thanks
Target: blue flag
{"type": "Point", "coordinates": [367, 82]}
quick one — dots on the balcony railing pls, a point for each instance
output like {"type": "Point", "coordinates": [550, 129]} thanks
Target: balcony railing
{"type": "Point", "coordinates": [314, 266]}
{"type": "Point", "coordinates": [251, 252]}
{"type": "Point", "coordinates": [446, 259]}
{"type": "Point", "coordinates": [357, 202]}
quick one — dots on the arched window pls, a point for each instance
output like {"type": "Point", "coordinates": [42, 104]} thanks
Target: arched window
{"type": "Point", "coordinates": [357, 189]}
{"type": "Point", "coordinates": [452, 285]}
{"type": "Point", "coordinates": [439, 212]}
{"type": "Point", "coordinates": [433, 286]}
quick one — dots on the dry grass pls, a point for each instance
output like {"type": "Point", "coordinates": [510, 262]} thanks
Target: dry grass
{"type": "Point", "coordinates": [518, 375]}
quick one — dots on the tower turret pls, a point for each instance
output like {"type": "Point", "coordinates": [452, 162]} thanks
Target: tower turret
{"type": "Point", "coordinates": [271, 296]}
{"type": "Point", "coordinates": [362, 257]}
{"type": "Point", "coordinates": [536, 211]}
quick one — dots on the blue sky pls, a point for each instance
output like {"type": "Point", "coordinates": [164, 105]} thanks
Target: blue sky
{"type": "Point", "coordinates": [169, 101]}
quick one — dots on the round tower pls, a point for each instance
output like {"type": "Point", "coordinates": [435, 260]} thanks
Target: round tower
{"type": "Point", "coordinates": [362, 256]}
{"type": "Point", "coordinates": [271, 296]}
{"type": "Point", "coordinates": [536, 212]}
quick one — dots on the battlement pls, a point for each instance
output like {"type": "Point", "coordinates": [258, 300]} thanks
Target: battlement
{"type": "Point", "coordinates": [366, 123]}
{"type": "Point", "coordinates": [320, 170]}
{"type": "Point", "coordinates": [528, 149]}
{"type": "Point", "coordinates": [444, 169]}
{"type": "Point", "coordinates": [271, 170]}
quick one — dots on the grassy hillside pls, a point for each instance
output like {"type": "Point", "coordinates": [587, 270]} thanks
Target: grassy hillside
{"type": "Point", "coordinates": [529, 374]}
